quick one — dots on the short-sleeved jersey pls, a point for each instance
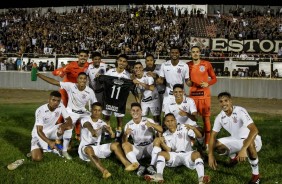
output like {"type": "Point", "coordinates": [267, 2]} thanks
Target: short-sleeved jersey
{"type": "Point", "coordinates": [236, 124]}
{"type": "Point", "coordinates": [179, 141]}
{"type": "Point", "coordinates": [147, 94]}
{"type": "Point", "coordinates": [48, 119]}
{"type": "Point", "coordinates": [201, 73]}
{"type": "Point", "coordinates": [140, 132]}
{"type": "Point", "coordinates": [116, 91]}
{"type": "Point", "coordinates": [174, 74]}
{"type": "Point", "coordinates": [188, 105]}
{"type": "Point", "coordinates": [86, 136]}
{"type": "Point", "coordinates": [160, 87]}
{"type": "Point", "coordinates": [92, 72]}
{"type": "Point", "coordinates": [78, 99]}
{"type": "Point", "coordinates": [70, 71]}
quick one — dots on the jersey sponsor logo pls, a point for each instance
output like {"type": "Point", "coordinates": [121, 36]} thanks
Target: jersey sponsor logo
{"type": "Point", "coordinates": [57, 114]}
{"type": "Point", "coordinates": [179, 70]}
{"type": "Point", "coordinates": [197, 93]}
{"type": "Point", "coordinates": [202, 68]}
{"type": "Point", "coordinates": [118, 81]}
{"type": "Point", "coordinates": [234, 120]}
{"type": "Point", "coordinates": [180, 136]}
{"type": "Point", "coordinates": [111, 108]}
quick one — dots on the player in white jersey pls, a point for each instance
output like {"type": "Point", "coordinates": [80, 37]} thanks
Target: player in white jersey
{"type": "Point", "coordinates": [153, 70]}
{"type": "Point", "coordinates": [119, 71]}
{"type": "Point", "coordinates": [90, 148]}
{"type": "Point", "coordinates": [177, 150]}
{"type": "Point", "coordinates": [142, 131]}
{"type": "Point", "coordinates": [149, 94]}
{"type": "Point", "coordinates": [243, 141]}
{"type": "Point", "coordinates": [94, 70]}
{"type": "Point", "coordinates": [79, 95]}
{"type": "Point", "coordinates": [45, 130]}
{"type": "Point", "coordinates": [174, 72]}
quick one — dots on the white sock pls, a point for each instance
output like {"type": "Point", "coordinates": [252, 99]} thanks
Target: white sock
{"type": "Point", "coordinates": [254, 165]}
{"type": "Point", "coordinates": [200, 167]}
{"type": "Point", "coordinates": [118, 133]}
{"type": "Point", "coordinates": [160, 165]}
{"type": "Point", "coordinates": [131, 157]}
{"type": "Point", "coordinates": [66, 139]}
{"type": "Point", "coordinates": [155, 152]}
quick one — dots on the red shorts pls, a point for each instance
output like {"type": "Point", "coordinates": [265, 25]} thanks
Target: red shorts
{"type": "Point", "coordinates": [203, 106]}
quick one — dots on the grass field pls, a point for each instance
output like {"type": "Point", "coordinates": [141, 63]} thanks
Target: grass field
{"type": "Point", "coordinates": [17, 120]}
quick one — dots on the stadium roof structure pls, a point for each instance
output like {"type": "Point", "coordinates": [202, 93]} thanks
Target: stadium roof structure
{"type": "Point", "coordinates": [60, 3]}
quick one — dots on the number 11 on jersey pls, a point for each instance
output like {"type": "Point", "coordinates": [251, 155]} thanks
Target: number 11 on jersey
{"type": "Point", "coordinates": [114, 88]}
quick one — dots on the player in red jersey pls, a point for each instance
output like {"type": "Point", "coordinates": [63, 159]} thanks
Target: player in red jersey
{"type": "Point", "coordinates": [69, 73]}
{"type": "Point", "coordinates": [200, 71]}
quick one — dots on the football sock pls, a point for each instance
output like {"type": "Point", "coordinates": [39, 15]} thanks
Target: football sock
{"type": "Point", "coordinates": [199, 167]}
{"type": "Point", "coordinates": [207, 127]}
{"type": "Point", "coordinates": [155, 152]}
{"type": "Point", "coordinates": [131, 157]}
{"type": "Point", "coordinates": [66, 137]}
{"type": "Point", "coordinates": [160, 164]}
{"type": "Point", "coordinates": [254, 165]}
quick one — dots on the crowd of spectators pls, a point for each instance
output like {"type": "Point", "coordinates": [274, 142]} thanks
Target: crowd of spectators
{"type": "Point", "coordinates": [152, 29]}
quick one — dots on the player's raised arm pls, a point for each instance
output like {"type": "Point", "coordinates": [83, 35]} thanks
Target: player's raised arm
{"type": "Point", "coordinates": [48, 79]}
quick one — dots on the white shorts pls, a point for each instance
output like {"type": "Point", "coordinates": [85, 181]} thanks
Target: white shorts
{"type": "Point", "coordinates": [235, 145]}
{"type": "Point", "coordinates": [109, 113]}
{"type": "Point", "coordinates": [101, 151]}
{"type": "Point", "coordinates": [77, 116]}
{"type": "Point", "coordinates": [143, 151]}
{"type": "Point", "coordinates": [153, 106]}
{"type": "Point", "coordinates": [37, 142]}
{"type": "Point", "coordinates": [178, 159]}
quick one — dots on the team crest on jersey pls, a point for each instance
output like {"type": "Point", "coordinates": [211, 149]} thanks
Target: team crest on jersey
{"type": "Point", "coordinates": [102, 71]}
{"type": "Point", "coordinates": [118, 81]}
{"type": "Point", "coordinates": [234, 120]}
{"type": "Point", "coordinates": [178, 70]}
{"type": "Point", "coordinates": [83, 96]}
{"type": "Point", "coordinates": [143, 127]}
{"type": "Point", "coordinates": [184, 108]}
{"type": "Point", "coordinates": [202, 68]}
{"type": "Point", "coordinates": [57, 114]}
{"type": "Point", "coordinates": [180, 136]}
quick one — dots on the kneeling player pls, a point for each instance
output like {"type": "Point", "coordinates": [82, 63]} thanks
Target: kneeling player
{"type": "Point", "coordinates": [45, 130]}
{"type": "Point", "coordinates": [243, 141]}
{"type": "Point", "coordinates": [176, 144]}
{"type": "Point", "coordinates": [90, 148]}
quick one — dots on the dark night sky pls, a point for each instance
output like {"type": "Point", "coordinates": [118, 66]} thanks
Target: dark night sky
{"type": "Point", "coordinates": [58, 3]}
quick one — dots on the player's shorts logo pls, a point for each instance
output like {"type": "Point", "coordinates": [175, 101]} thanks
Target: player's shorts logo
{"type": "Point", "coordinates": [202, 68]}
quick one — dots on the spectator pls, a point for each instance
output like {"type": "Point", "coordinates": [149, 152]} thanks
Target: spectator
{"type": "Point", "coordinates": [226, 72]}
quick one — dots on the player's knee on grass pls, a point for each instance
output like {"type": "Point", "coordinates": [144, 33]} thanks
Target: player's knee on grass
{"type": "Point", "coordinates": [36, 155]}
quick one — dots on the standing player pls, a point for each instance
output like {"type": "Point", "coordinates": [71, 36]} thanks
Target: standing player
{"type": "Point", "coordinates": [118, 84]}
{"type": "Point", "coordinates": [174, 72]}
{"type": "Point", "coordinates": [94, 70]}
{"type": "Point", "coordinates": [142, 131]}
{"type": "Point", "coordinates": [79, 95]}
{"type": "Point", "coordinates": [176, 144]}
{"type": "Point", "coordinates": [200, 71]}
{"type": "Point", "coordinates": [243, 141]}
{"type": "Point", "coordinates": [90, 148]}
{"type": "Point", "coordinates": [45, 129]}
{"type": "Point", "coordinates": [70, 73]}
{"type": "Point", "coordinates": [150, 96]}
{"type": "Point", "coordinates": [153, 70]}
